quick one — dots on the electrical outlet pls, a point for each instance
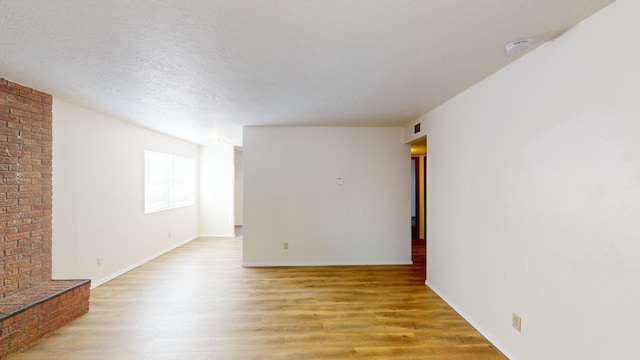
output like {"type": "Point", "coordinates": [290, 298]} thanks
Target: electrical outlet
{"type": "Point", "coordinates": [286, 246]}
{"type": "Point", "coordinates": [516, 322]}
{"type": "Point", "coordinates": [100, 260]}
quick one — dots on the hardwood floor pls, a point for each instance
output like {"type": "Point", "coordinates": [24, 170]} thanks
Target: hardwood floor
{"type": "Point", "coordinates": [197, 302]}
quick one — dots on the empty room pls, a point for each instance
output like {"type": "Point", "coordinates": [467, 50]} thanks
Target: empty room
{"type": "Point", "coordinates": [319, 179]}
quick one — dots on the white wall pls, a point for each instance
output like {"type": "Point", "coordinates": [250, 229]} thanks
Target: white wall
{"type": "Point", "coordinates": [216, 191]}
{"type": "Point", "coordinates": [534, 196]}
{"type": "Point", "coordinates": [291, 195]}
{"type": "Point", "coordinates": [98, 196]}
{"type": "Point", "coordinates": [238, 182]}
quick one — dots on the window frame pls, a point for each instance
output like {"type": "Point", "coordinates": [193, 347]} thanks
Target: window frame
{"type": "Point", "coordinates": [179, 179]}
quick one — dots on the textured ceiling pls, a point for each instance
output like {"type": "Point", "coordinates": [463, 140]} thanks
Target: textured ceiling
{"type": "Point", "coordinates": [202, 69]}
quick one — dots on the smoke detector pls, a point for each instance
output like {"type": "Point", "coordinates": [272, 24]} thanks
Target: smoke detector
{"type": "Point", "coordinates": [517, 47]}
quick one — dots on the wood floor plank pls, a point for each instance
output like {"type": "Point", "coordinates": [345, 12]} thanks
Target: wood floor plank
{"type": "Point", "coordinates": [198, 302]}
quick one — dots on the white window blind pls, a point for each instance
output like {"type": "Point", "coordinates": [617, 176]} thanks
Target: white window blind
{"type": "Point", "coordinates": [169, 181]}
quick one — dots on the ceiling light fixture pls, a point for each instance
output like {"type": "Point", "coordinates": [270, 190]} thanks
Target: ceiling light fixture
{"type": "Point", "coordinates": [517, 47]}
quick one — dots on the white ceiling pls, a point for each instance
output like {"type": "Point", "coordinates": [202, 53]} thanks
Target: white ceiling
{"type": "Point", "coordinates": [201, 69]}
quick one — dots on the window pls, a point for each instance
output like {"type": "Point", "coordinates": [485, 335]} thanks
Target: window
{"type": "Point", "coordinates": [169, 181]}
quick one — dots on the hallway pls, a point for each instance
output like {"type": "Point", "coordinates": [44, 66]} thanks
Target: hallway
{"type": "Point", "coordinates": [198, 302]}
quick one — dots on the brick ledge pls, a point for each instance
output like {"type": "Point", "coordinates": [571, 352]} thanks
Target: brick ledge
{"type": "Point", "coordinates": [37, 294]}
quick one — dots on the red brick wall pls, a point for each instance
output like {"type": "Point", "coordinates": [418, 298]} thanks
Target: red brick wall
{"type": "Point", "coordinates": [28, 325]}
{"type": "Point", "coordinates": [25, 187]}
{"type": "Point", "coordinates": [31, 304]}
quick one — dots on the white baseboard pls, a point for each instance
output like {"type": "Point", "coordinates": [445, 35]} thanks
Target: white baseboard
{"type": "Point", "coordinates": [484, 333]}
{"type": "Point", "coordinates": [95, 284]}
{"type": "Point", "coordinates": [217, 235]}
{"type": "Point", "coordinates": [324, 263]}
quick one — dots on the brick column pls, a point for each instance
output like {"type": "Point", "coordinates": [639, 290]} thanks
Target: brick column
{"type": "Point", "coordinates": [25, 187]}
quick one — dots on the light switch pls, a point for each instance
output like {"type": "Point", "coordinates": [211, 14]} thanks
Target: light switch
{"type": "Point", "coordinates": [339, 181]}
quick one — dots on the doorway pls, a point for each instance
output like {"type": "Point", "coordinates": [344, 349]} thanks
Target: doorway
{"type": "Point", "coordinates": [418, 203]}
{"type": "Point", "coordinates": [415, 201]}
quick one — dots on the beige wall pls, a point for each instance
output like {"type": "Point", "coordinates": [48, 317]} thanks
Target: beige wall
{"type": "Point", "coordinates": [217, 178]}
{"type": "Point", "coordinates": [238, 192]}
{"type": "Point", "coordinates": [534, 196]}
{"type": "Point", "coordinates": [98, 196]}
{"type": "Point", "coordinates": [291, 195]}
